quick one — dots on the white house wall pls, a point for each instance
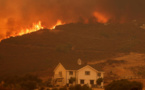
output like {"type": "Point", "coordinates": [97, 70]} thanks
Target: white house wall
{"type": "Point", "coordinates": [78, 74]}
{"type": "Point", "coordinates": [87, 78]}
{"type": "Point", "coordinates": [58, 69]}
{"type": "Point", "coordinates": [69, 76]}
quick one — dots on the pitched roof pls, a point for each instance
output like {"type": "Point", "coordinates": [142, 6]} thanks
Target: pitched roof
{"type": "Point", "coordinates": [75, 66]}
{"type": "Point", "coordinates": [72, 66]}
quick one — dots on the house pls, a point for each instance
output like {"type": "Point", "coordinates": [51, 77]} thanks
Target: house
{"type": "Point", "coordinates": [78, 73]}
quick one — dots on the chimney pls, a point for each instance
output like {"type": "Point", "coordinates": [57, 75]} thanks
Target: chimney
{"type": "Point", "coordinates": [79, 61]}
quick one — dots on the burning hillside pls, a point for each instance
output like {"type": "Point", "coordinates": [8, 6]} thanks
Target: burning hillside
{"type": "Point", "coordinates": [35, 27]}
{"type": "Point", "coordinates": [90, 42]}
{"type": "Point", "coordinates": [18, 14]}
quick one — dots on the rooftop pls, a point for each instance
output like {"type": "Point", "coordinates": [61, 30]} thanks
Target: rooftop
{"type": "Point", "coordinates": [75, 66]}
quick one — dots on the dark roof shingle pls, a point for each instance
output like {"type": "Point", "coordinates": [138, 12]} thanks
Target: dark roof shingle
{"type": "Point", "coordinates": [74, 66]}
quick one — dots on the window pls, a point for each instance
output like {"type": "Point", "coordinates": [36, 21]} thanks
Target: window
{"type": "Point", "coordinates": [99, 74]}
{"type": "Point", "coordinates": [70, 81]}
{"type": "Point", "coordinates": [59, 80]}
{"type": "Point", "coordinates": [92, 82]}
{"type": "Point", "coordinates": [70, 72]}
{"type": "Point", "coordinates": [81, 81]}
{"type": "Point", "coordinates": [87, 72]}
{"type": "Point", "coordinates": [60, 74]}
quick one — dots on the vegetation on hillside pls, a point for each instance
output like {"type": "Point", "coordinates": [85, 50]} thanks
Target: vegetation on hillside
{"type": "Point", "coordinates": [27, 82]}
{"type": "Point", "coordinates": [90, 42]}
{"type": "Point", "coordinates": [124, 85]}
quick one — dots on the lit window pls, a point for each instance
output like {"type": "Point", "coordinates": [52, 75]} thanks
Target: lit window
{"type": "Point", "coordinates": [87, 72]}
{"type": "Point", "coordinates": [70, 72]}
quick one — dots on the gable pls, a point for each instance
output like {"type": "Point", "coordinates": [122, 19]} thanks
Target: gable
{"type": "Point", "coordinates": [59, 66]}
{"type": "Point", "coordinates": [87, 73]}
{"type": "Point", "coordinates": [87, 67]}
{"type": "Point", "coordinates": [72, 65]}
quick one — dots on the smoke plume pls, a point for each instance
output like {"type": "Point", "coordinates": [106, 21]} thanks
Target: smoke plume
{"type": "Point", "coordinates": [16, 14]}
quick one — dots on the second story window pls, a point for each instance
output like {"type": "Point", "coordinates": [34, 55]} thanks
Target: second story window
{"type": "Point", "coordinates": [60, 74]}
{"type": "Point", "coordinates": [99, 74]}
{"type": "Point", "coordinates": [70, 72]}
{"type": "Point", "coordinates": [87, 72]}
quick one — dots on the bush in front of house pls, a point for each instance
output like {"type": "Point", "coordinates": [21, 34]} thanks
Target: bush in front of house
{"type": "Point", "coordinates": [79, 87]}
{"type": "Point", "coordinates": [63, 88]}
{"type": "Point", "coordinates": [124, 85]}
{"type": "Point", "coordinates": [99, 81]}
{"type": "Point", "coordinates": [86, 87]}
{"type": "Point", "coordinates": [55, 89]}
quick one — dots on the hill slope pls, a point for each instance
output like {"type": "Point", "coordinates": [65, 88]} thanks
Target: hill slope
{"type": "Point", "coordinates": [91, 42]}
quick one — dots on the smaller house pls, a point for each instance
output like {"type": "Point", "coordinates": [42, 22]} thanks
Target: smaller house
{"type": "Point", "coordinates": [76, 73]}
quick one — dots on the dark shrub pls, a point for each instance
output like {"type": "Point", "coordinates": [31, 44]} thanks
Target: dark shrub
{"type": "Point", "coordinates": [79, 87]}
{"type": "Point", "coordinates": [99, 81]}
{"type": "Point", "coordinates": [124, 85]}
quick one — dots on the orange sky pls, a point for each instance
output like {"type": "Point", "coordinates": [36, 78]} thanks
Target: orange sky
{"type": "Point", "coordinates": [18, 14]}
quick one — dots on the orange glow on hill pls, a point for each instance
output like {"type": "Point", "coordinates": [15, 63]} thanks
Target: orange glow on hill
{"type": "Point", "coordinates": [100, 17]}
{"type": "Point", "coordinates": [35, 27]}
{"type": "Point", "coordinates": [59, 22]}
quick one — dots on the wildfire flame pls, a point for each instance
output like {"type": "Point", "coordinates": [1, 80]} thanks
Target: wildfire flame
{"type": "Point", "coordinates": [35, 27]}
{"type": "Point", "coordinates": [59, 22]}
{"type": "Point", "coordinates": [100, 17]}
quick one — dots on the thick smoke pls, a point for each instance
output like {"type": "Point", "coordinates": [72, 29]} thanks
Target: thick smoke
{"type": "Point", "coordinates": [15, 14]}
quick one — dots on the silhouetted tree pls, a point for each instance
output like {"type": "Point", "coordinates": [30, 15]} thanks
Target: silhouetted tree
{"type": "Point", "coordinates": [99, 81]}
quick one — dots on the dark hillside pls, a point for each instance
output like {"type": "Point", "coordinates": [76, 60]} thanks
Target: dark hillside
{"type": "Point", "coordinates": [45, 48]}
